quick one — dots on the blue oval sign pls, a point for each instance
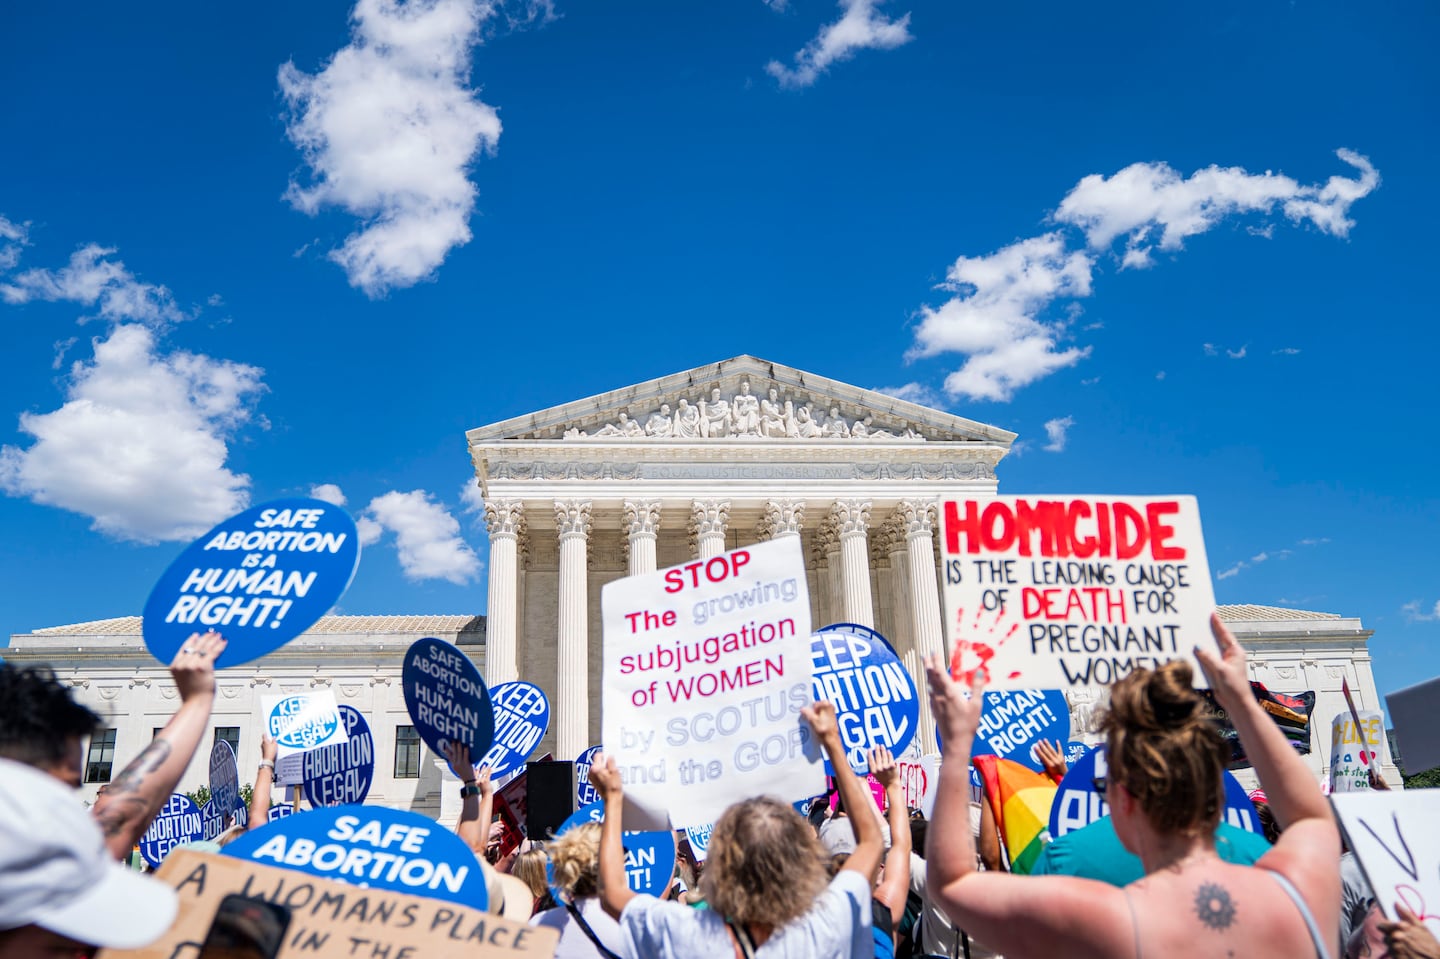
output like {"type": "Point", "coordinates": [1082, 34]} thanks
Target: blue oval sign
{"type": "Point", "coordinates": [370, 846]}
{"type": "Point", "coordinates": [178, 822]}
{"type": "Point", "coordinates": [224, 780]}
{"type": "Point", "coordinates": [649, 856]}
{"type": "Point", "coordinates": [585, 794]}
{"type": "Point", "coordinates": [260, 578]}
{"type": "Point", "coordinates": [292, 732]}
{"type": "Point", "coordinates": [446, 698]}
{"type": "Point", "coordinates": [341, 774]}
{"type": "Point", "coordinates": [875, 699]}
{"type": "Point", "coordinates": [1012, 723]}
{"type": "Point", "coordinates": [522, 714]}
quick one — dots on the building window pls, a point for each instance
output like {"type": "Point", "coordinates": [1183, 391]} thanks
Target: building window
{"type": "Point", "coordinates": [407, 753]}
{"type": "Point", "coordinates": [231, 734]}
{"type": "Point", "coordinates": [102, 756]}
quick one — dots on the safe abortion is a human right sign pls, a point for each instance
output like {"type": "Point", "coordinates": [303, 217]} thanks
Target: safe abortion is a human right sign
{"type": "Point", "coordinates": [1058, 592]}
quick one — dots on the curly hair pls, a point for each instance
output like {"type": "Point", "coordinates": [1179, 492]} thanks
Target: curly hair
{"type": "Point", "coordinates": [764, 866]}
{"type": "Point", "coordinates": [575, 861]}
{"type": "Point", "coordinates": [39, 719]}
{"type": "Point", "coordinates": [1162, 747]}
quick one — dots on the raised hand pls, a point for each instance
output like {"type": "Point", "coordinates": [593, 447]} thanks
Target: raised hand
{"type": "Point", "coordinates": [1052, 759]}
{"type": "Point", "coordinates": [605, 777]}
{"type": "Point", "coordinates": [482, 779]}
{"type": "Point", "coordinates": [821, 717]}
{"type": "Point", "coordinates": [457, 754]}
{"type": "Point", "coordinates": [1409, 937]}
{"type": "Point", "coordinates": [882, 766]}
{"type": "Point", "coordinates": [1225, 670]}
{"type": "Point", "coordinates": [956, 715]}
{"type": "Point", "coordinates": [193, 668]}
{"type": "Point", "coordinates": [269, 749]}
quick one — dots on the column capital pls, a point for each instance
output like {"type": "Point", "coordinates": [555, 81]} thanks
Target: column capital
{"type": "Point", "coordinates": [642, 517]}
{"type": "Point", "coordinates": [852, 516]}
{"type": "Point", "coordinates": [709, 516]}
{"type": "Point", "coordinates": [505, 517]}
{"type": "Point", "coordinates": [889, 537]}
{"type": "Point", "coordinates": [783, 517]}
{"type": "Point", "coordinates": [919, 516]}
{"type": "Point", "coordinates": [572, 518]}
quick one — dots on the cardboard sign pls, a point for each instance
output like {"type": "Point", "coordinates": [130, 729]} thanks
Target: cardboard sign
{"type": "Point", "coordinates": [1396, 838]}
{"type": "Point", "coordinates": [1012, 724]}
{"type": "Point", "coordinates": [260, 578]}
{"type": "Point", "coordinates": [1077, 804]}
{"type": "Point", "coordinates": [522, 714]}
{"type": "Point", "coordinates": [1355, 751]}
{"type": "Point", "coordinates": [372, 846]}
{"type": "Point", "coordinates": [330, 920]}
{"type": "Point", "coordinates": [649, 856]}
{"type": "Point", "coordinates": [1413, 711]}
{"type": "Point", "coordinates": [1067, 591]}
{"type": "Point", "coordinates": [707, 666]}
{"type": "Point", "coordinates": [875, 699]}
{"type": "Point", "coordinates": [224, 779]}
{"type": "Point", "coordinates": [585, 793]}
{"type": "Point", "coordinates": [177, 823]}
{"type": "Point", "coordinates": [341, 774]}
{"type": "Point", "coordinates": [917, 781]}
{"type": "Point", "coordinates": [446, 697]}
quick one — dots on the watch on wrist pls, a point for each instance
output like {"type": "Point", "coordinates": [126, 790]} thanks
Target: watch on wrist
{"type": "Point", "coordinates": [468, 790]}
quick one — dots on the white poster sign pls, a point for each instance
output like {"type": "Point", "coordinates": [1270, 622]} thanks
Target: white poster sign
{"type": "Point", "coordinates": [300, 722]}
{"type": "Point", "coordinates": [1059, 592]}
{"type": "Point", "coordinates": [707, 666]}
{"type": "Point", "coordinates": [1413, 711]}
{"type": "Point", "coordinates": [1354, 752]}
{"type": "Point", "coordinates": [1396, 838]}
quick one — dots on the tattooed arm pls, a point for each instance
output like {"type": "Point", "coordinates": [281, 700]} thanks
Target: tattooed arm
{"type": "Point", "coordinates": [136, 795]}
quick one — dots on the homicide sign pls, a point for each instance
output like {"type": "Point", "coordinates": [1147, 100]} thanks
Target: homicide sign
{"type": "Point", "coordinates": [341, 774]}
{"type": "Point", "coordinates": [522, 714]}
{"type": "Point", "coordinates": [446, 697]}
{"type": "Point", "coordinates": [876, 703]}
{"type": "Point", "coordinates": [177, 823]}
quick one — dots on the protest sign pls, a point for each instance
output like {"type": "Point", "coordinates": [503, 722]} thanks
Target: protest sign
{"type": "Point", "coordinates": [446, 697]}
{"type": "Point", "coordinates": [281, 811]}
{"type": "Point", "coordinates": [1396, 838]}
{"type": "Point", "coordinates": [1290, 712]}
{"type": "Point", "coordinates": [341, 774]}
{"type": "Point", "coordinates": [1067, 591]}
{"type": "Point", "coordinates": [1355, 750]}
{"type": "Point", "coordinates": [177, 823]}
{"type": "Point", "coordinates": [1012, 724]}
{"type": "Point", "coordinates": [707, 666]}
{"type": "Point", "coordinates": [1073, 751]}
{"type": "Point", "coordinates": [585, 793]}
{"type": "Point", "coordinates": [224, 779]}
{"type": "Point", "coordinates": [1077, 804]}
{"type": "Point", "coordinates": [300, 722]}
{"type": "Point", "coordinates": [876, 703]}
{"type": "Point", "coordinates": [522, 714]}
{"type": "Point", "coordinates": [1417, 734]}
{"type": "Point", "coordinates": [512, 805]}
{"type": "Point", "coordinates": [649, 855]}
{"type": "Point", "coordinates": [699, 838]}
{"type": "Point", "coordinates": [260, 578]}
{"type": "Point", "coordinates": [917, 782]}
{"type": "Point", "coordinates": [330, 920]}
{"type": "Point", "coordinates": [373, 846]}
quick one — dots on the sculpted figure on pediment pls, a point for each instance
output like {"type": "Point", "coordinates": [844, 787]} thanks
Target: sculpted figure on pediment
{"type": "Point", "coordinates": [660, 423]}
{"type": "Point", "coordinates": [687, 421]}
{"type": "Point", "coordinates": [624, 427]}
{"type": "Point", "coordinates": [835, 426]}
{"type": "Point", "coordinates": [745, 412]}
{"type": "Point", "coordinates": [714, 416]}
{"type": "Point", "coordinates": [776, 421]}
{"type": "Point", "coordinates": [865, 429]}
{"type": "Point", "coordinates": [805, 426]}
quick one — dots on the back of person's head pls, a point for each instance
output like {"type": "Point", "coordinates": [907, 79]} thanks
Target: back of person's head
{"type": "Point", "coordinates": [529, 868]}
{"type": "Point", "coordinates": [575, 861]}
{"type": "Point", "coordinates": [1269, 825]}
{"type": "Point", "coordinates": [1164, 750]}
{"type": "Point", "coordinates": [919, 829]}
{"type": "Point", "coordinates": [764, 864]}
{"type": "Point", "coordinates": [40, 722]}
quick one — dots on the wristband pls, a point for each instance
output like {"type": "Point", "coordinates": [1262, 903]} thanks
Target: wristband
{"type": "Point", "coordinates": [468, 790]}
{"type": "Point", "coordinates": [267, 764]}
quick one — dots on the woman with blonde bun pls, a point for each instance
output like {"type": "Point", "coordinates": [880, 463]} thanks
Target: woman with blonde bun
{"type": "Point", "coordinates": [586, 931]}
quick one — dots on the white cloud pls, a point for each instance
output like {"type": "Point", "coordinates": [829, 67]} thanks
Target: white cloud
{"type": "Point", "coordinates": [1413, 613]}
{"type": "Point", "coordinates": [427, 537]}
{"type": "Point", "coordinates": [1285, 351]}
{"type": "Point", "coordinates": [13, 238]}
{"type": "Point", "coordinates": [1231, 571]}
{"type": "Point", "coordinates": [329, 493]}
{"type": "Point", "coordinates": [1058, 430]}
{"type": "Point", "coordinates": [1211, 350]}
{"type": "Point", "coordinates": [1238, 354]}
{"type": "Point", "coordinates": [389, 129]}
{"type": "Point", "coordinates": [369, 531]}
{"type": "Point", "coordinates": [139, 445]}
{"type": "Point", "coordinates": [92, 278]}
{"type": "Point", "coordinates": [1160, 375]}
{"type": "Point", "coordinates": [472, 500]}
{"type": "Point", "coordinates": [917, 393]}
{"type": "Point", "coordinates": [778, 6]}
{"type": "Point", "coordinates": [995, 316]}
{"type": "Point", "coordinates": [860, 28]}
{"type": "Point", "coordinates": [1090, 381]}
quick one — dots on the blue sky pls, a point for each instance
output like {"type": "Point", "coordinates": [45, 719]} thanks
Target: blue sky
{"type": "Point", "coordinates": [247, 252]}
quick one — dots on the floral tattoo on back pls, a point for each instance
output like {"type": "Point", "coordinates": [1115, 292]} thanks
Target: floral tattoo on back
{"type": "Point", "coordinates": [1214, 907]}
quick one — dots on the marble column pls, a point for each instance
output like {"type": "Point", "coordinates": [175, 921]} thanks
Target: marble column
{"type": "Point", "coordinates": [642, 526]}
{"type": "Point", "coordinates": [707, 526]}
{"type": "Point", "coordinates": [572, 663]}
{"type": "Point", "coordinates": [827, 564]}
{"type": "Point", "coordinates": [852, 520]}
{"type": "Point", "coordinates": [505, 519]}
{"type": "Point", "coordinates": [783, 517]}
{"type": "Point", "coordinates": [924, 598]}
{"type": "Point", "coordinates": [896, 552]}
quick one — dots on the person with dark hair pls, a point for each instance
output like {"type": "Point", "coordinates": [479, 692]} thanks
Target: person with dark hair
{"type": "Point", "coordinates": [41, 724]}
{"type": "Point", "coordinates": [1165, 789]}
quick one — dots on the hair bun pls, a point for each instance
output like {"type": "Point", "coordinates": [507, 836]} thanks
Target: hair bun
{"type": "Point", "coordinates": [1171, 695]}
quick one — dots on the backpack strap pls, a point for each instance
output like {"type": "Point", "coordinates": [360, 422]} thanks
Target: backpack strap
{"type": "Point", "coordinates": [743, 940]}
{"type": "Point", "coordinates": [589, 933]}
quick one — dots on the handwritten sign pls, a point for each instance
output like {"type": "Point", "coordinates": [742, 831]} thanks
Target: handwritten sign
{"type": "Point", "coordinates": [1396, 838]}
{"type": "Point", "coordinates": [876, 703]}
{"type": "Point", "coordinates": [917, 782]}
{"type": "Point", "coordinates": [261, 578]}
{"type": "Point", "coordinates": [373, 846]}
{"type": "Point", "coordinates": [707, 666]}
{"type": "Point", "coordinates": [446, 697]}
{"type": "Point", "coordinates": [224, 780]}
{"type": "Point", "coordinates": [1067, 591]}
{"type": "Point", "coordinates": [330, 920]}
{"type": "Point", "coordinates": [1354, 751]}
{"type": "Point", "coordinates": [1413, 711]}
{"type": "Point", "coordinates": [585, 793]}
{"type": "Point", "coordinates": [522, 714]}
{"type": "Point", "coordinates": [649, 855]}
{"type": "Point", "coordinates": [177, 823]}
{"type": "Point", "coordinates": [1012, 724]}
{"type": "Point", "coordinates": [341, 774]}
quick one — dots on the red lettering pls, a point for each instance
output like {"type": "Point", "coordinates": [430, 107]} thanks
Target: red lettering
{"type": "Point", "coordinates": [674, 581]}
{"type": "Point", "coordinates": [1084, 548]}
{"type": "Point", "coordinates": [1102, 525]}
{"type": "Point", "coordinates": [1128, 523]}
{"type": "Point", "coordinates": [1120, 530]}
{"type": "Point", "coordinates": [1002, 542]}
{"type": "Point", "coordinates": [1160, 532]}
{"type": "Point", "coordinates": [970, 526]}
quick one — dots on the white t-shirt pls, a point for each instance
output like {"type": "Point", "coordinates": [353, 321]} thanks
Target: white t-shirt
{"type": "Point", "coordinates": [574, 944]}
{"type": "Point", "coordinates": [836, 927]}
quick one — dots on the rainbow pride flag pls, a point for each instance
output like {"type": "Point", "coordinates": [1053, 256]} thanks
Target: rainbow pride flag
{"type": "Point", "coordinates": [1021, 799]}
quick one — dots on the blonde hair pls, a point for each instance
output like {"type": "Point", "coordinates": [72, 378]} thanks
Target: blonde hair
{"type": "Point", "coordinates": [529, 868]}
{"type": "Point", "coordinates": [764, 866]}
{"type": "Point", "coordinates": [575, 861]}
{"type": "Point", "coordinates": [1165, 751]}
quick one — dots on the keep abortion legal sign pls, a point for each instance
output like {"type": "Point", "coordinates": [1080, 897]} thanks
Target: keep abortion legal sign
{"type": "Point", "coordinates": [178, 822]}
{"type": "Point", "coordinates": [876, 703]}
{"type": "Point", "coordinates": [1058, 592]}
{"type": "Point", "coordinates": [522, 714]}
{"type": "Point", "coordinates": [340, 774]}
{"type": "Point", "coordinates": [707, 666]}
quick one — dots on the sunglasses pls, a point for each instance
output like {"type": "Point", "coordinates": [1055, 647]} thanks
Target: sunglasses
{"type": "Point", "coordinates": [1098, 783]}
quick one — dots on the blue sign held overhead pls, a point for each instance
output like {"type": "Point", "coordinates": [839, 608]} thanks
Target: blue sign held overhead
{"type": "Point", "coordinates": [649, 856]}
{"type": "Point", "coordinates": [177, 823]}
{"type": "Point", "coordinates": [1073, 752]}
{"type": "Point", "coordinates": [699, 837]}
{"type": "Point", "coordinates": [224, 780]}
{"type": "Point", "coordinates": [1012, 723]}
{"type": "Point", "coordinates": [522, 714]}
{"type": "Point", "coordinates": [370, 846]}
{"type": "Point", "coordinates": [446, 697]}
{"type": "Point", "coordinates": [260, 578]}
{"type": "Point", "coordinates": [341, 774]}
{"type": "Point", "coordinates": [875, 699]}
{"type": "Point", "coordinates": [585, 794]}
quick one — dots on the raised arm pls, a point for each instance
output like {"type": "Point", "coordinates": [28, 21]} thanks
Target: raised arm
{"type": "Point", "coordinates": [869, 843]}
{"type": "Point", "coordinates": [136, 795]}
{"type": "Point", "coordinates": [615, 891]}
{"type": "Point", "coordinates": [264, 780]}
{"type": "Point", "coordinates": [476, 797]}
{"type": "Point", "coordinates": [894, 885]}
{"type": "Point", "coordinates": [989, 839]}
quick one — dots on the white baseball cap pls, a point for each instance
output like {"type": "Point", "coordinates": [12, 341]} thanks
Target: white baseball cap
{"type": "Point", "coordinates": [56, 873]}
